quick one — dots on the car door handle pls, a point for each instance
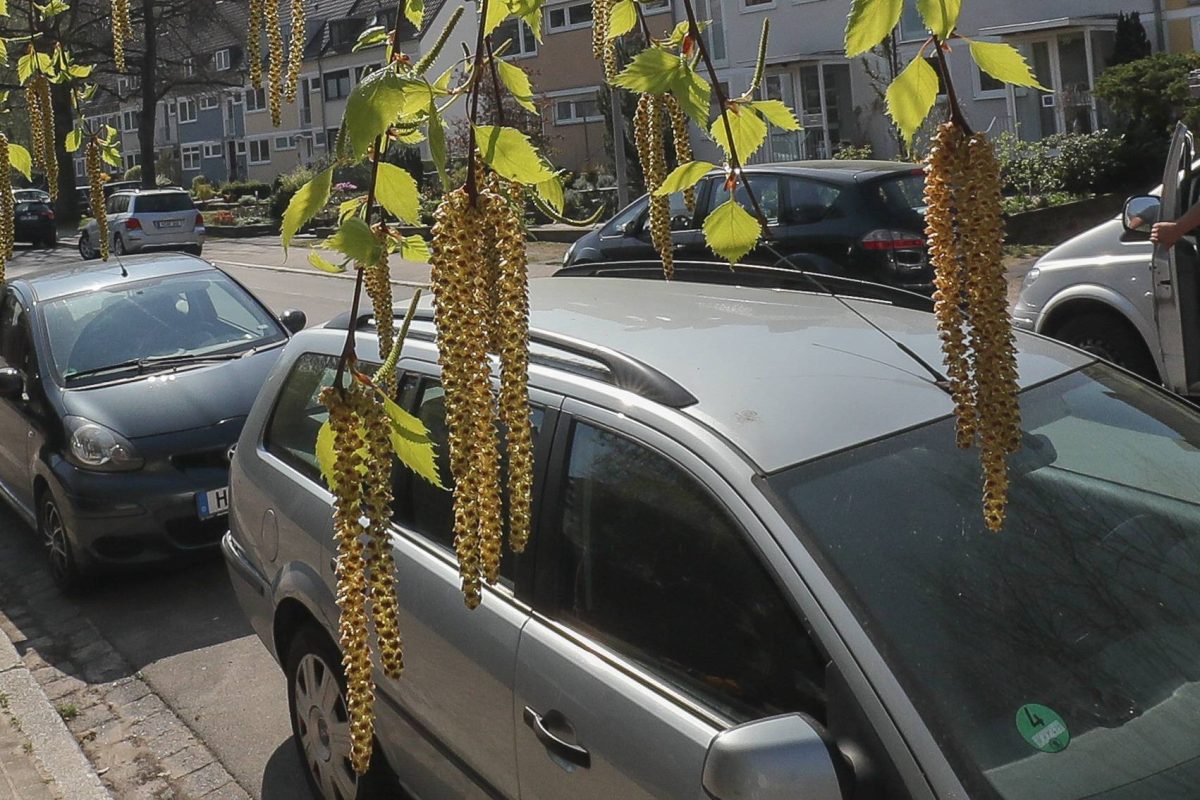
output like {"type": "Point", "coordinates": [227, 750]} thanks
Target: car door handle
{"type": "Point", "coordinates": [571, 753]}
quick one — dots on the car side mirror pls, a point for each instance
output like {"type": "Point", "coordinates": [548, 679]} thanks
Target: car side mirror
{"type": "Point", "coordinates": [1141, 212]}
{"type": "Point", "coordinates": [778, 758]}
{"type": "Point", "coordinates": [294, 320]}
{"type": "Point", "coordinates": [12, 384]}
{"type": "Point", "coordinates": [632, 228]}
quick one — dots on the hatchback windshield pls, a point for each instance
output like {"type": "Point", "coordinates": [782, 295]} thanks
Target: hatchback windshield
{"type": "Point", "coordinates": [159, 203]}
{"type": "Point", "coordinates": [194, 314]}
{"type": "Point", "coordinates": [1059, 658]}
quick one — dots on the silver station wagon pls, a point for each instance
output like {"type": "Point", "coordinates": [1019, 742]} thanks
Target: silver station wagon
{"type": "Point", "coordinates": [758, 568]}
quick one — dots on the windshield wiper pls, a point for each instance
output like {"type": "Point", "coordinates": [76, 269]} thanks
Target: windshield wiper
{"type": "Point", "coordinates": [154, 361]}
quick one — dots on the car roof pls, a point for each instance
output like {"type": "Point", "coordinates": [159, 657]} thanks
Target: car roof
{"type": "Point", "coordinates": [159, 190]}
{"type": "Point", "coordinates": [847, 171]}
{"type": "Point", "coordinates": [53, 282]}
{"type": "Point", "coordinates": [783, 375]}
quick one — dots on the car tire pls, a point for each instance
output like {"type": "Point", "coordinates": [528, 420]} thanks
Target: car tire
{"type": "Point", "coordinates": [311, 661]}
{"type": "Point", "coordinates": [85, 247]}
{"type": "Point", "coordinates": [1110, 338]}
{"type": "Point", "coordinates": [60, 550]}
{"type": "Point", "coordinates": [119, 245]}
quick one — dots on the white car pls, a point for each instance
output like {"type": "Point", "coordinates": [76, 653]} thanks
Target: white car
{"type": "Point", "coordinates": [30, 195]}
{"type": "Point", "coordinates": [147, 219]}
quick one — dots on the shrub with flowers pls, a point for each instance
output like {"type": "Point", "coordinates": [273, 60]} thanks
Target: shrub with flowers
{"type": "Point", "coordinates": [223, 217]}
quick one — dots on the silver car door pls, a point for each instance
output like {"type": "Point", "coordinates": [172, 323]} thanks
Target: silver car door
{"type": "Point", "coordinates": [1175, 282]}
{"type": "Point", "coordinates": [656, 624]}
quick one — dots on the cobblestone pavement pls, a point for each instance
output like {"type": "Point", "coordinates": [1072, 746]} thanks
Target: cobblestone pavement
{"type": "Point", "coordinates": [20, 778]}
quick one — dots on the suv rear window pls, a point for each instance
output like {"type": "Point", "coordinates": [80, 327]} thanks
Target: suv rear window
{"type": "Point", "coordinates": [903, 195]}
{"type": "Point", "coordinates": [159, 203]}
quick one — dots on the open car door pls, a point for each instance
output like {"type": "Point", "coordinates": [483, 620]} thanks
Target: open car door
{"type": "Point", "coordinates": [1174, 274]}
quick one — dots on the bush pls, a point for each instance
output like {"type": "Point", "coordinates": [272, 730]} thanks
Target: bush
{"type": "Point", "coordinates": [223, 217]}
{"type": "Point", "coordinates": [852, 152]}
{"type": "Point", "coordinates": [134, 173]}
{"type": "Point", "coordinates": [259, 189]}
{"type": "Point", "coordinates": [1067, 162]}
{"type": "Point", "coordinates": [1148, 96]}
{"type": "Point", "coordinates": [286, 185]}
{"type": "Point", "coordinates": [203, 191]}
{"type": "Point", "coordinates": [200, 180]}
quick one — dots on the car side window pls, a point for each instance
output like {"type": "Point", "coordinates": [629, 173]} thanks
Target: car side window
{"type": "Point", "coordinates": [767, 190]}
{"type": "Point", "coordinates": [651, 564]}
{"type": "Point", "coordinates": [291, 435]}
{"type": "Point", "coordinates": [16, 347]}
{"type": "Point", "coordinates": [808, 201]}
{"type": "Point", "coordinates": [422, 507]}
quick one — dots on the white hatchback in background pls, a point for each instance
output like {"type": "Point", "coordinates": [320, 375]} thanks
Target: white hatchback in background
{"type": "Point", "coordinates": [147, 219]}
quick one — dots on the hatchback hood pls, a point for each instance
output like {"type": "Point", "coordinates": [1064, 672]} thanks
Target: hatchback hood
{"type": "Point", "coordinates": [1095, 247]}
{"type": "Point", "coordinates": [174, 400]}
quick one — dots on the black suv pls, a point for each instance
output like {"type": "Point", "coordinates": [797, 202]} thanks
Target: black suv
{"type": "Point", "coordinates": [860, 219]}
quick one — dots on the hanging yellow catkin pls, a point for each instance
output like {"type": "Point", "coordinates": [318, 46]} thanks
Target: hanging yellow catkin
{"type": "Point", "coordinates": [350, 569]}
{"type": "Point", "coordinates": [377, 281]}
{"type": "Point", "coordinates": [648, 136]}
{"type": "Point", "coordinates": [6, 206]}
{"type": "Point", "coordinates": [91, 160]}
{"type": "Point", "coordinates": [37, 126]}
{"type": "Point", "coordinates": [682, 140]}
{"type": "Point", "coordinates": [48, 137]}
{"type": "Point", "coordinates": [603, 49]}
{"type": "Point", "coordinates": [254, 42]}
{"type": "Point", "coordinates": [295, 51]}
{"type": "Point", "coordinates": [122, 31]}
{"type": "Point", "coordinates": [275, 63]}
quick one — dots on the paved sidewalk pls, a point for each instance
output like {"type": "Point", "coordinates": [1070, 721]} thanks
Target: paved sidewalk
{"type": "Point", "coordinates": [39, 758]}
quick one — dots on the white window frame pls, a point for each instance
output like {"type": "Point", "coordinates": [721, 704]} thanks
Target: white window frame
{"type": "Point", "coordinates": [255, 108]}
{"type": "Point", "coordinates": [221, 60]}
{"type": "Point", "coordinates": [656, 7]}
{"type": "Point", "coordinates": [240, 147]}
{"type": "Point", "coordinates": [567, 24]}
{"type": "Point", "coordinates": [517, 51]}
{"type": "Point", "coordinates": [208, 103]}
{"type": "Point", "coordinates": [189, 68]}
{"type": "Point", "coordinates": [261, 143]}
{"type": "Point", "coordinates": [213, 150]}
{"type": "Point", "coordinates": [289, 143]}
{"type": "Point", "coordinates": [750, 8]}
{"type": "Point", "coordinates": [584, 93]}
{"type": "Point", "coordinates": [127, 120]}
{"type": "Point", "coordinates": [80, 169]}
{"type": "Point", "coordinates": [190, 153]}
{"type": "Point", "coordinates": [319, 138]}
{"type": "Point", "coordinates": [189, 103]}
{"type": "Point", "coordinates": [910, 6]}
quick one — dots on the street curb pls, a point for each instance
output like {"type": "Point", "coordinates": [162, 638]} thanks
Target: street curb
{"type": "Point", "coordinates": [54, 747]}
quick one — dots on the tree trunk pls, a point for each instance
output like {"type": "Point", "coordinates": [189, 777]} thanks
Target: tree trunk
{"type": "Point", "coordinates": [149, 95]}
{"type": "Point", "coordinates": [66, 209]}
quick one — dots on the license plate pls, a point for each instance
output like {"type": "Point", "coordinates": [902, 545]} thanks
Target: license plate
{"type": "Point", "coordinates": [214, 503]}
{"type": "Point", "coordinates": [168, 223]}
{"type": "Point", "coordinates": [27, 217]}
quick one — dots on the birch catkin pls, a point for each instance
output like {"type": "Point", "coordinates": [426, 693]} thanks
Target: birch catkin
{"type": "Point", "coordinates": [6, 206]}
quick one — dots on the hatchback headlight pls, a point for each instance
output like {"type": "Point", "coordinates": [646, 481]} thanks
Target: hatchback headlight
{"type": "Point", "coordinates": [93, 446]}
{"type": "Point", "coordinates": [1030, 277]}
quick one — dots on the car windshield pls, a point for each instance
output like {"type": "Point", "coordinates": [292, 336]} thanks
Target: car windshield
{"type": "Point", "coordinates": [903, 195]}
{"type": "Point", "coordinates": [159, 203]}
{"type": "Point", "coordinates": [1059, 658]}
{"type": "Point", "coordinates": [190, 315]}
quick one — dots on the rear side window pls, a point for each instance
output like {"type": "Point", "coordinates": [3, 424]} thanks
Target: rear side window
{"type": "Point", "coordinates": [291, 435]}
{"type": "Point", "coordinates": [767, 190]}
{"type": "Point", "coordinates": [163, 203]}
{"type": "Point", "coordinates": [654, 566]}
{"type": "Point", "coordinates": [808, 201]}
{"type": "Point", "coordinates": [903, 195]}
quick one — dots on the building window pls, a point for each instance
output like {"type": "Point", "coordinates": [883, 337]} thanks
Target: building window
{"type": "Point", "coordinates": [757, 5]}
{"type": "Point", "coordinates": [366, 69]}
{"type": "Point", "coordinates": [189, 68]}
{"type": "Point", "coordinates": [656, 6]}
{"type": "Point", "coordinates": [128, 83]}
{"type": "Point", "coordinates": [221, 60]}
{"type": "Point", "coordinates": [314, 84]}
{"type": "Point", "coordinates": [714, 34]}
{"type": "Point", "coordinates": [344, 31]}
{"type": "Point", "coordinates": [285, 142]}
{"type": "Point", "coordinates": [132, 160]}
{"type": "Point", "coordinates": [573, 110]}
{"type": "Point", "coordinates": [256, 99]}
{"type": "Point", "coordinates": [319, 138]}
{"type": "Point", "coordinates": [241, 147]}
{"type": "Point", "coordinates": [79, 168]}
{"type": "Point", "coordinates": [332, 135]}
{"type": "Point", "coordinates": [191, 156]}
{"type": "Point", "coordinates": [569, 17]}
{"type": "Point", "coordinates": [187, 110]}
{"type": "Point", "coordinates": [208, 103]}
{"type": "Point", "coordinates": [912, 27]}
{"type": "Point", "coordinates": [213, 150]}
{"type": "Point", "coordinates": [337, 84]}
{"type": "Point", "coordinates": [521, 35]}
{"type": "Point", "coordinates": [987, 86]}
{"type": "Point", "coordinates": [131, 120]}
{"type": "Point", "coordinates": [260, 151]}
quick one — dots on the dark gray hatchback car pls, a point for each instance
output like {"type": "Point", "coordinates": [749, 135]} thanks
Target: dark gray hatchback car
{"type": "Point", "coordinates": [758, 569]}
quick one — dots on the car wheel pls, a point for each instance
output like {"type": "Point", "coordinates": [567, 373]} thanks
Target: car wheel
{"type": "Point", "coordinates": [118, 245]}
{"type": "Point", "coordinates": [1110, 338]}
{"type": "Point", "coordinates": [60, 553]}
{"type": "Point", "coordinates": [85, 247]}
{"type": "Point", "coordinates": [321, 723]}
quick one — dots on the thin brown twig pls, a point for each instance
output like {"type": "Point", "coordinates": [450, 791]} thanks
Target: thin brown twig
{"type": "Point", "coordinates": [495, 82]}
{"type": "Point", "coordinates": [956, 113]}
{"type": "Point", "coordinates": [471, 187]}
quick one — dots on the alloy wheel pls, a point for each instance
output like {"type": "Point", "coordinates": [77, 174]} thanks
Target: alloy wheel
{"type": "Point", "coordinates": [54, 534]}
{"type": "Point", "coordinates": [323, 728]}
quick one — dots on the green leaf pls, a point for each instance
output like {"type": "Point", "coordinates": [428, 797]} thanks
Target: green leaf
{"type": "Point", "coordinates": [20, 159]}
{"type": "Point", "coordinates": [80, 71]}
{"type": "Point", "coordinates": [551, 191]}
{"type": "Point", "coordinates": [110, 155]}
{"type": "Point", "coordinates": [74, 140]}
{"type": "Point", "coordinates": [653, 70]}
{"type": "Point", "coordinates": [442, 84]}
{"type": "Point", "coordinates": [1004, 63]}
{"type": "Point", "coordinates": [52, 9]}
{"type": "Point", "coordinates": [371, 108]}
{"type": "Point", "coordinates": [681, 30]}
{"type": "Point", "coordinates": [325, 454]}
{"type": "Point", "coordinates": [411, 442]}
{"type": "Point", "coordinates": [731, 231]}
{"type": "Point", "coordinates": [693, 94]}
{"type": "Point", "coordinates": [318, 261]}
{"type": "Point", "coordinates": [3, 8]}
{"type": "Point", "coordinates": [940, 16]}
{"type": "Point", "coordinates": [414, 248]}
{"type": "Point", "coordinates": [437, 144]}
{"type": "Point", "coordinates": [396, 191]}
{"type": "Point", "coordinates": [371, 37]}
{"type": "Point", "coordinates": [517, 82]}
{"type": "Point", "coordinates": [3, 53]}
{"type": "Point", "coordinates": [869, 24]}
{"type": "Point", "coordinates": [355, 240]}
{"type": "Point", "coordinates": [414, 12]}
{"type": "Point", "coordinates": [749, 131]}
{"type": "Point", "coordinates": [305, 204]}
{"type": "Point", "coordinates": [497, 12]}
{"type": "Point", "coordinates": [684, 176]}
{"type": "Point", "coordinates": [510, 153]}
{"type": "Point", "coordinates": [777, 113]}
{"type": "Point", "coordinates": [622, 18]}
{"type": "Point", "coordinates": [912, 95]}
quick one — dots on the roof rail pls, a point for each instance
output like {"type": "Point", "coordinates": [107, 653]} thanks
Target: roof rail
{"type": "Point", "coordinates": [627, 372]}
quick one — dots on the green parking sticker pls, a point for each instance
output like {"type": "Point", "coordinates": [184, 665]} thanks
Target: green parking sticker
{"type": "Point", "coordinates": [1043, 728]}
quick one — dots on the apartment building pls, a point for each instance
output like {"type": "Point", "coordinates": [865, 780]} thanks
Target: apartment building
{"type": "Point", "coordinates": [1182, 27]}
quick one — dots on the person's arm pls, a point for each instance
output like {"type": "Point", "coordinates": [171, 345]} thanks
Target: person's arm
{"type": "Point", "coordinates": [1168, 233]}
